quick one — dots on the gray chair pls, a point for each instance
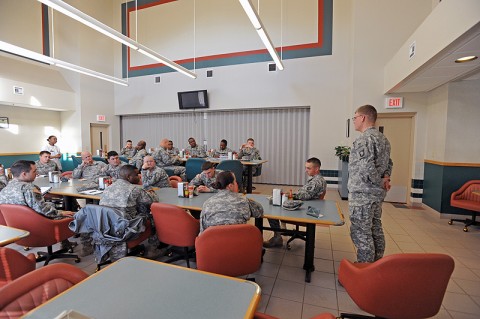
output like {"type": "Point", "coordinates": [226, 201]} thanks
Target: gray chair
{"type": "Point", "coordinates": [193, 167]}
{"type": "Point", "coordinates": [236, 167]}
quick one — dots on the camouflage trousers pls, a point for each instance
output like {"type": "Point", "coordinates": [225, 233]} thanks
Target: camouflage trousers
{"type": "Point", "coordinates": [366, 231]}
{"type": "Point", "coordinates": [179, 171]}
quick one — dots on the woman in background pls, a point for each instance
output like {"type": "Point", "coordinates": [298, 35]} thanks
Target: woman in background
{"type": "Point", "coordinates": [54, 150]}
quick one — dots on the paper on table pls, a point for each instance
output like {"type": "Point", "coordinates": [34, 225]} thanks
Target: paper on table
{"type": "Point", "coordinates": [91, 192]}
{"type": "Point", "coordinates": [45, 189]}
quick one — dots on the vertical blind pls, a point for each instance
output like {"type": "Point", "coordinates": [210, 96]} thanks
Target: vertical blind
{"type": "Point", "coordinates": [281, 135]}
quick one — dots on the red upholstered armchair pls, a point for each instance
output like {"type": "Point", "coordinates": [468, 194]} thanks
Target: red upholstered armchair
{"type": "Point", "coordinates": [13, 265]}
{"type": "Point", "coordinates": [466, 198]}
{"type": "Point", "coordinates": [231, 250]}
{"type": "Point", "coordinates": [174, 180]}
{"type": "Point", "coordinates": [398, 286]}
{"type": "Point", "coordinates": [177, 228]}
{"type": "Point", "coordinates": [37, 287]}
{"type": "Point", "coordinates": [44, 232]}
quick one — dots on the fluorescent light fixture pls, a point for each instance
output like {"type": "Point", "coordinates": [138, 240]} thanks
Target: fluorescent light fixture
{"type": "Point", "coordinates": [466, 59]}
{"type": "Point", "coordinates": [154, 55]}
{"type": "Point", "coordinates": [87, 20]}
{"type": "Point", "coordinates": [95, 74]}
{"type": "Point", "coordinates": [13, 49]}
{"type": "Point", "coordinates": [262, 33]}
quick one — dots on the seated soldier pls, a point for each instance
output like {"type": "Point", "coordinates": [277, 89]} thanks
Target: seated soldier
{"type": "Point", "coordinates": [205, 180]}
{"type": "Point", "coordinates": [128, 197]}
{"type": "Point", "coordinates": [21, 191]}
{"type": "Point", "coordinates": [171, 149]}
{"type": "Point", "coordinates": [3, 177]}
{"type": "Point", "coordinates": [228, 207]}
{"type": "Point", "coordinates": [223, 150]}
{"type": "Point", "coordinates": [312, 189]}
{"type": "Point", "coordinates": [114, 165]}
{"type": "Point", "coordinates": [128, 151]}
{"type": "Point", "coordinates": [167, 161]}
{"type": "Point", "coordinates": [44, 164]}
{"type": "Point", "coordinates": [89, 169]}
{"type": "Point", "coordinates": [195, 150]}
{"type": "Point", "coordinates": [140, 153]}
{"type": "Point", "coordinates": [152, 175]}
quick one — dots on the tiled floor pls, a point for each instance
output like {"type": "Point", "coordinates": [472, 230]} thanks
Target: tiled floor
{"type": "Point", "coordinates": [281, 277]}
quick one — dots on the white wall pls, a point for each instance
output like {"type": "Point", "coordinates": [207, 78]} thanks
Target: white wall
{"type": "Point", "coordinates": [436, 124]}
{"type": "Point", "coordinates": [29, 129]}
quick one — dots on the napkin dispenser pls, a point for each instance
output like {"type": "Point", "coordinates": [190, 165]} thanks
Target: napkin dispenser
{"type": "Point", "coordinates": [180, 189]}
{"type": "Point", "coordinates": [277, 197]}
{"type": "Point", "coordinates": [54, 177]}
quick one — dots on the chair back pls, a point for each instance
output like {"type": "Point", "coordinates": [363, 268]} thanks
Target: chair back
{"type": "Point", "coordinates": [465, 192]}
{"type": "Point", "coordinates": [123, 159]}
{"type": "Point", "coordinates": [2, 219]}
{"type": "Point", "coordinates": [236, 167]}
{"type": "Point", "coordinates": [76, 161]}
{"type": "Point", "coordinates": [174, 180]}
{"type": "Point", "coordinates": [399, 286]}
{"type": "Point", "coordinates": [43, 231]}
{"type": "Point", "coordinates": [35, 288]}
{"type": "Point", "coordinates": [99, 159]}
{"type": "Point", "coordinates": [231, 250]}
{"type": "Point", "coordinates": [193, 166]}
{"type": "Point", "coordinates": [14, 264]}
{"type": "Point", "coordinates": [174, 225]}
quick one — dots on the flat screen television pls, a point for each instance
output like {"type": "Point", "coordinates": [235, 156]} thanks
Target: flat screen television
{"type": "Point", "coordinates": [193, 100]}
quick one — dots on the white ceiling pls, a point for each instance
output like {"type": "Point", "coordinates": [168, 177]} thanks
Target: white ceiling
{"type": "Point", "coordinates": [442, 68]}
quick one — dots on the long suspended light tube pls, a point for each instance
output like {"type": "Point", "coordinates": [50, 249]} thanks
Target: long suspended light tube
{"type": "Point", "coordinates": [13, 49]}
{"type": "Point", "coordinates": [93, 23]}
{"type": "Point", "coordinates": [262, 33]}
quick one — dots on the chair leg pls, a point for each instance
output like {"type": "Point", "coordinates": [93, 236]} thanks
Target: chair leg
{"type": "Point", "coordinates": [467, 222]}
{"type": "Point", "coordinates": [187, 257]}
{"type": "Point", "coordinates": [295, 236]}
{"type": "Point", "coordinates": [50, 255]}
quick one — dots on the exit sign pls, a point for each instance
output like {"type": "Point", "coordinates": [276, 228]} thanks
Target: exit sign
{"type": "Point", "coordinates": [394, 102]}
{"type": "Point", "coordinates": [101, 118]}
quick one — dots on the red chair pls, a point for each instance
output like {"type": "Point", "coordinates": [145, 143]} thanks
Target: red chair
{"type": "Point", "coordinates": [35, 288]}
{"type": "Point", "coordinates": [14, 264]}
{"type": "Point", "coordinates": [259, 315]}
{"type": "Point", "coordinates": [174, 180]}
{"type": "Point", "coordinates": [67, 174]}
{"type": "Point", "coordinates": [465, 198]}
{"type": "Point", "coordinates": [44, 232]}
{"type": "Point", "coordinates": [177, 228]}
{"type": "Point", "coordinates": [231, 250]}
{"type": "Point", "coordinates": [398, 286]}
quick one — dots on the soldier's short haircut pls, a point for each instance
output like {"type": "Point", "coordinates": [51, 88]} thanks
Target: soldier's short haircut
{"type": "Point", "coordinates": [127, 170]}
{"type": "Point", "coordinates": [190, 138]}
{"type": "Point", "coordinates": [129, 141]}
{"type": "Point", "coordinates": [369, 111]}
{"type": "Point", "coordinates": [224, 179]}
{"type": "Point", "coordinates": [207, 165]}
{"type": "Point", "coordinates": [112, 153]}
{"type": "Point", "coordinates": [315, 161]}
{"type": "Point", "coordinates": [224, 141]}
{"type": "Point", "coordinates": [142, 143]}
{"type": "Point", "coordinates": [21, 166]}
{"type": "Point", "coordinates": [250, 139]}
{"type": "Point", "coordinates": [45, 152]}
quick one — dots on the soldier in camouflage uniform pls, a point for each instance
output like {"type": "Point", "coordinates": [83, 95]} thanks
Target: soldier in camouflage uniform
{"type": "Point", "coordinates": [21, 191]}
{"type": "Point", "coordinates": [128, 197]}
{"type": "Point", "coordinates": [369, 169]}
{"type": "Point", "coordinates": [44, 164]}
{"type": "Point", "coordinates": [141, 152]}
{"type": "Point", "coordinates": [172, 151]}
{"type": "Point", "coordinates": [114, 165]}
{"type": "Point", "coordinates": [152, 175]}
{"type": "Point", "coordinates": [195, 150]}
{"type": "Point", "coordinates": [313, 189]}
{"type": "Point", "coordinates": [166, 161]}
{"type": "Point", "coordinates": [228, 207]}
{"type": "Point", "coordinates": [249, 152]}
{"type": "Point", "coordinates": [223, 150]}
{"type": "Point", "coordinates": [128, 151]}
{"type": "Point", "coordinates": [89, 169]}
{"type": "Point", "coordinates": [205, 180]}
{"type": "Point", "coordinates": [3, 178]}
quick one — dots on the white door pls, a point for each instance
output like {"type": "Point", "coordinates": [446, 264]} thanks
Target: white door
{"type": "Point", "coordinates": [398, 128]}
{"type": "Point", "coordinates": [99, 138]}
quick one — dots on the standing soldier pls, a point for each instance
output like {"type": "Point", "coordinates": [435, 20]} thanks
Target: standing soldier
{"type": "Point", "coordinates": [369, 168]}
